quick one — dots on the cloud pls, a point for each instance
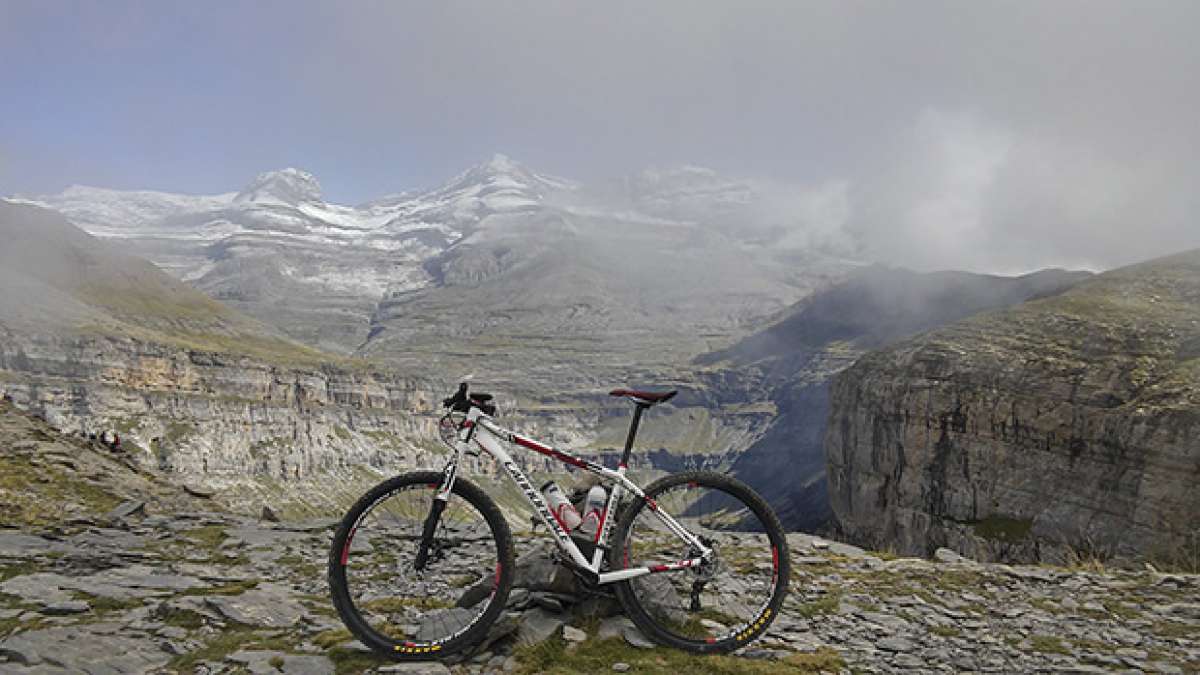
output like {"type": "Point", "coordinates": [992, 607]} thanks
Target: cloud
{"type": "Point", "coordinates": [962, 192]}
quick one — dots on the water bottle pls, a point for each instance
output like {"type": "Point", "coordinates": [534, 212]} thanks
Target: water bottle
{"type": "Point", "coordinates": [562, 508]}
{"type": "Point", "coordinates": [593, 510]}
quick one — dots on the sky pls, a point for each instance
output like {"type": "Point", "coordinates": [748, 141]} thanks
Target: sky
{"type": "Point", "coordinates": [992, 136]}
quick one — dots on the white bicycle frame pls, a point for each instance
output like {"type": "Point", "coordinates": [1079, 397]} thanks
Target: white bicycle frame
{"type": "Point", "coordinates": [481, 430]}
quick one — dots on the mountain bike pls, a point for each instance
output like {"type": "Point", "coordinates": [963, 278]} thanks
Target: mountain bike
{"type": "Point", "coordinates": [422, 565]}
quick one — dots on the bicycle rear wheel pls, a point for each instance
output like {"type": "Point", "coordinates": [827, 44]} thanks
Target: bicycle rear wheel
{"type": "Point", "coordinates": [715, 607]}
{"type": "Point", "coordinates": [409, 614]}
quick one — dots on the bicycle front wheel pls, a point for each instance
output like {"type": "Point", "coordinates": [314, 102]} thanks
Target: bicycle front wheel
{"type": "Point", "coordinates": [406, 613]}
{"type": "Point", "coordinates": [718, 606]}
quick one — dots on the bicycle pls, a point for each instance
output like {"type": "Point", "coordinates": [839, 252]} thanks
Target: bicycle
{"type": "Point", "coordinates": [405, 552]}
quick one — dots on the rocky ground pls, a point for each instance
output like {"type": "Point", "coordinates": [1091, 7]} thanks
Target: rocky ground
{"type": "Point", "coordinates": [109, 571]}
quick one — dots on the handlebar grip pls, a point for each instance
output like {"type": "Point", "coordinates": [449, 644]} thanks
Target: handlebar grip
{"type": "Point", "coordinates": [457, 399]}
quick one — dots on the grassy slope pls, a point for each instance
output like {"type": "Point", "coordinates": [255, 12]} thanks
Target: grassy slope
{"type": "Point", "coordinates": [1137, 327]}
{"type": "Point", "coordinates": [87, 285]}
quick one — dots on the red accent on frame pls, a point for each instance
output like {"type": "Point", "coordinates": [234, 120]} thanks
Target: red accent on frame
{"type": "Point", "coordinates": [467, 424]}
{"type": "Point", "coordinates": [775, 558]}
{"type": "Point", "coordinates": [497, 580]}
{"type": "Point", "coordinates": [652, 504]}
{"type": "Point", "coordinates": [548, 451]}
{"type": "Point", "coordinates": [660, 568]}
{"type": "Point", "coordinates": [710, 640]}
{"type": "Point", "coordinates": [346, 547]}
{"type": "Point", "coordinates": [600, 525]}
{"type": "Point", "coordinates": [557, 513]}
{"type": "Point", "coordinates": [622, 465]}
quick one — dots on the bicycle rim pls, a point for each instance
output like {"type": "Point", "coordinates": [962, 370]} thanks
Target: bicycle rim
{"type": "Point", "coordinates": [717, 606]}
{"type": "Point", "coordinates": [404, 612]}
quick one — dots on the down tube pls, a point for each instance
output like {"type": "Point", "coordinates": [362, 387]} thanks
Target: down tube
{"type": "Point", "coordinates": [493, 448]}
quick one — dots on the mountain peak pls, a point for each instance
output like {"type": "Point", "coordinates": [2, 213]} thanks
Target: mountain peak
{"type": "Point", "coordinates": [289, 186]}
{"type": "Point", "coordinates": [502, 163]}
{"type": "Point", "coordinates": [503, 173]}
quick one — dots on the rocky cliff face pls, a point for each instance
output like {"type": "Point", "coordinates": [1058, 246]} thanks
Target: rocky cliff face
{"type": "Point", "coordinates": [789, 365]}
{"type": "Point", "coordinates": [1069, 423]}
{"type": "Point", "coordinates": [222, 419]}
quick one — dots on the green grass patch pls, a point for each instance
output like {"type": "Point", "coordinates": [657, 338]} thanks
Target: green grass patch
{"type": "Point", "coordinates": [390, 605]}
{"type": "Point", "coordinates": [1046, 605]}
{"type": "Point", "coordinates": [181, 618]}
{"type": "Point", "coordinates": [300, 565]}
{"type": "Point", "coordinates": [41, 496]}
{"type": "Point", "coordinates": [353, 661]}
{"type": "Point", "coordinates": [331, 638]}
{"type": "Point", "coordinates": [208, 536]}
{"type": "Point", "coordinates": [945, 631]}
{"type": "Point", "coordinates": [102, 605]}
{"type": "Point", "coordinates": [17, 569]}
{"type": "Point", "coordinates": [15, 624]}
{"type": "Point", "coordinates": [821, 606]}
{"type": "Point", "coordinates": [1173, 629]}
{"type": "Point", "coordinates": [227, 642]}
{"type": "Point", "coordinates": [1048, 644]}
{"type": "Point", "coordinates": [1120, 609]}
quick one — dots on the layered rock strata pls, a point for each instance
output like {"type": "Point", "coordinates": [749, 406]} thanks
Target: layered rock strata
{"type": "Point", "coordinates": [1064, 426]}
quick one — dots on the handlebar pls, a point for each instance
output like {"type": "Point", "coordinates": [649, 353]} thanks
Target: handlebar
{"type": "Point", "coordinates": [462, 402]}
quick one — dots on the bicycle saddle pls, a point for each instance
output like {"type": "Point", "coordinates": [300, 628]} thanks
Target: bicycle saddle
{"type": "Point", "coordinates": [648, 397]}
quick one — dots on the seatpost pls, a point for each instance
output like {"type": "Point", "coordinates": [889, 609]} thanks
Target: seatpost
{"type": "Point", "coordinates": [633, 427]}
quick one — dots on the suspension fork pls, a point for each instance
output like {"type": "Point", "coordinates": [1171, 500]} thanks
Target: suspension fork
{"type": "Point", "coordinates": [443, 494]}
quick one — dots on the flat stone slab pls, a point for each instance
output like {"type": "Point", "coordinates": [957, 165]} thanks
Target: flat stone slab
{"type": "Point", "coordinates": [144, 577]}
{"type": "Point", "coordinates": [65, 607]}
{"type": "Point", "coordinates": [268, 605]}
{"type": "Point", "coordinates": [265, 536]}
{"type": "Point", "coordinates": [137, 581]}
{"type": "Point", "coordinates": [312, 525]}
{"type": "Point", "coordinates": [127, 509]}
{"type": "Point", "coordinates": [78, 650]}
{"type": "Point", "coordinates": [19, 545]}
{"type": "Point", "coordinates": [537, 626]}
{"type": "Point", "coordinates": [423, 668]}
{"type": "Point", "coordinates": [39, 587]}
{"type": "Point", "coordinates": [634, 637]}
{"type": "Point", "coordinates": [259, 662]}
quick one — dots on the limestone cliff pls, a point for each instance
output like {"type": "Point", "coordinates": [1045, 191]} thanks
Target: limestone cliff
{"type": "Point", "coordinates": [1065, 424]}
{"type": "Point", "coordinates": [789, 365]}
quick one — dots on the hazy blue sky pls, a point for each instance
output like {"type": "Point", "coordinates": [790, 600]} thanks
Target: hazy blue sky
{"type": "Point", "coordinates": [1000, 134]}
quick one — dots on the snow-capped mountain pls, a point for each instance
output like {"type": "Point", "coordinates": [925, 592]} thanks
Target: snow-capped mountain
{"type": "Point", "coordinates": [276, 250]}
{"type": "Point", "coordinates": [353, 278]}
{"type": "Point", "coordinates": [115, 213]}
{"type": "Point", "coordinates": [287, 187]}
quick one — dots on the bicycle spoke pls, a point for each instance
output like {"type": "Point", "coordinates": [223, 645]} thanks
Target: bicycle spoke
{"type": "Point", "coordinates": [393, 598]}
{"type": "Point", "coordinates": [714, 600]}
